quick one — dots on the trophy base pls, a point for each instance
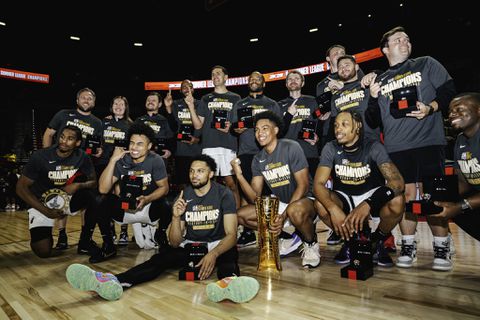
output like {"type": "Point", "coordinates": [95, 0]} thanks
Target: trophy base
{"type": "Point", "coordinates": [353, 273]}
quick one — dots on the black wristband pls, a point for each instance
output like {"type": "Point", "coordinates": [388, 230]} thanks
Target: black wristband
{"type": "Point", "coordinates": [379, 198]}
{"type": "Point", "coordinates": [431, 110]}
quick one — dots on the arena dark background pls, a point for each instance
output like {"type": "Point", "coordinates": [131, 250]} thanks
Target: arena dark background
{"type": "Point", "coordinates": [184, 39]}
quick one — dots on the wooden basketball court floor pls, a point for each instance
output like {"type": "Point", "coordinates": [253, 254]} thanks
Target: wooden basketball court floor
{"type": "Point", "coordinates": [35, 288]}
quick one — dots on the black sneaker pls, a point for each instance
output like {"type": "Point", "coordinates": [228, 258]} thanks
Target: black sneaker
{"type": "Point", "coordinates": [333, 238]}
{"type": "Point", "coordinates": [160, 238]}
{"type": "Point", "coordinates": [103, 254]}
{"type": "Point", "coordinates": [62, 242]}
{"type": "Point", "coordinates": [381, 256]}
{"type": "Point", "coordinates": [87, 247]}
{"type": "Point", "coordinates": [343, 256]}
{"type": "Point", "coordinates": [247, 238]}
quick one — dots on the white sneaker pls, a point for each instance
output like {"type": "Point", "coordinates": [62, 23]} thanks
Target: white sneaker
{"type": "Point", "coordinates": [310, 255]}
{"type": "Point", "coordinates": [399, 239]}
{"type": "Point", "coordinates": [452, 245]}
{"type": "Point", "coordinates": [442, 260]}
{"type": "Point", "coordinates": [287, 246]}
{"type": "Point", "coordinates": [408, 255]}
{"type": "Point", "coordinates": [8, 207]}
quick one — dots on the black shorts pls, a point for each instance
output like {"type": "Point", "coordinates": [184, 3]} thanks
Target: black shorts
{"type": "Point", "coordinates": [414, 164]}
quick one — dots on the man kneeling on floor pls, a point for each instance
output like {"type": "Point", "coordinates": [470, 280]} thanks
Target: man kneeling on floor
{"type": "Point", "coordinates": [365, 183]}
{"type": "Point", "coordinates": [203, 212]}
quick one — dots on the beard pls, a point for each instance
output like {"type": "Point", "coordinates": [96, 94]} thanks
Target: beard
{"type": "Point", "coordinates": [199, 184]}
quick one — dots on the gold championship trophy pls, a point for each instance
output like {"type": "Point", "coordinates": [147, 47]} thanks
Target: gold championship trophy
{"type": "Point", "coordinates": [268, 255]}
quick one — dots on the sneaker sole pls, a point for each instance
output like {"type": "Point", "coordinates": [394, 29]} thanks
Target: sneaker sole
{"type": "Point", "coordinates": [441, 268]}
{"type": "Point", "coordinates": [404, 265]}
{"type": "Point", "coordinates": [310, 266]}
{"type": "Point", "coordinates": [291, 249]}
{"type": "Point", "coordinates": [83, 278]}
{"type": "Point", "coordinates": [341, 261]}
{"type": "Point", "coordinates": [239, 290]}
{"type": "Point", "coordinates": [332, 243]}
{"type": "Point", "coordinates": [251, 243]}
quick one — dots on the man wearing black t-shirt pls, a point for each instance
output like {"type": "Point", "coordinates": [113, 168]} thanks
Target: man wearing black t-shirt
{"type": "Point", "coordinates": [150, 205]}
{"type": "Point", "coordinates": [282, 165]}
{"type": "Point", "coordinates": [46, 186]}
{"type": "Point", "coordinates": [90, 126]}
{"type": "Point", "coordinates": [204, 212]}
{"type": "Point", "coordinates": [365, 183]}
{"type": "Point", "coordinates": [464, 115]}
{"type": "Point", "coordinates": [163, 125]}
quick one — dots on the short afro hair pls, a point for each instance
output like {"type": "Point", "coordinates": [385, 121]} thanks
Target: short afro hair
{"type": "Point", "coordinates": [272, 116]}
{"type": "Point", "coordinates": [141, 128]}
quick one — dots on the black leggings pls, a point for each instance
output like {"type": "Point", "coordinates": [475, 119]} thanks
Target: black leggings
{"type": "Point", "coordinates": [170, 258]}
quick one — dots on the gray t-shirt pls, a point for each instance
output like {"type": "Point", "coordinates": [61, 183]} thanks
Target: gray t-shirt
{"type": "Point", "coordinates": [152, 169]}
{"type": "Point", "coordinates": [211, 137]}
{"type": "Point", "coordinates": [279, 167]}
{"type": "Point", "coordinates": [183, 117]}
{"type": "Point", "coordinates": [247, 143]}
{"type": "Point", "coordinates": [204, 215]}
{"type": "Point", "coordinates": [466, 155]}
{"type": "Point", "coordinates": [427, 74]}
{"type": "Point", "coordinates": [355, 173]}
{"type": "Point", "coordinates": [305, 107]}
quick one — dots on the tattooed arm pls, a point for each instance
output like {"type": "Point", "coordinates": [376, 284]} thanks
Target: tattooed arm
{"type": "Point", "coordinates": [394, 179]}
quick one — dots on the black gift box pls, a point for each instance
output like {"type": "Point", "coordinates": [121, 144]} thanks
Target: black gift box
{"type": "Point", "coordinates": [324, 104]}
{"type": "Point", "coordinates": [219, 119]}
{"type": "Point", "coordinates": [404, 101]}
{"type": "Point", "coordinates": [245, 118]}
{"type": "Point", "coordinates": [92, 143]}
{"type": "Point", "coordinates": [308, 130]}
{"type": "Point", "coordinates": [361, 259]}
{"type": "Point", "coordinates": [185, 132]}
{"type": "Point", "coordinates": [130, 188]}
{"type": "Point", "coordinates": [195, 252]}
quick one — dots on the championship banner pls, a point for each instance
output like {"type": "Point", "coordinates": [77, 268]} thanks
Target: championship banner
{"type": "Point", "coordinates": [272, 76]}
{"type": "Point", "coordinates": [24, 75]}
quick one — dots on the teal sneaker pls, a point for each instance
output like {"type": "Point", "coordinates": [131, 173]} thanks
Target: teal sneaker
{"type": "Point", "coordinates": [236, 289]}
{"type": "Point", "coordinates": [105, 284]}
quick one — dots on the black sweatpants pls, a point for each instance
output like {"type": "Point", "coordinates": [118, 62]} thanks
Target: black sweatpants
{"type": "Point", "coordinates": [176, 258]}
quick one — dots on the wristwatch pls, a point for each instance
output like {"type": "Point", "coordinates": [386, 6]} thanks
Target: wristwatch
{"type": "Point", "coordinates": [466, 205]}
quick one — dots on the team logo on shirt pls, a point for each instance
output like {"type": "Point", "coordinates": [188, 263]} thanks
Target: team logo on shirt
{"type": "Point", "coordinates": [220, 104]}
{"type": "Point", "coordinates": [61, 174]}
{"type": "Point", "coordinates": [277, 174]}
{"type": "Point", "coordinates": [202, 217]}
{"type": "Point", "coordinates": [184, 116]}
{"type": "Point", "coordinates": [353, 173]}
{"type": "Point", "coordinates": [83, 126]}
{"type": "Point", "coordinates": [302, 113]}
{"type": "Point", "coordinates": [400, 81]}
{"type": "Point", "coordinates": [470, 168]}
{"type": "Point", "coordinates": [110, 134]}
{"type": "Point", "coordinates": [56, 199]}
{"type": "Point", "coordinates": [156, 127]}
{"type": "Point", "coordinates": [349, 99]}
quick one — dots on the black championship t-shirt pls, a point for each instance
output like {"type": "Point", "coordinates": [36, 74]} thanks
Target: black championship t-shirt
{"type": "Point", "coordinates": [466, 156]}
{"type": "Point", "coordinates": [89, 125]}
{"type": "Point", "coordinates": [279, 167]}
{"type": "Point", "coordinates": [48, 170]}
{"type": "Point", "coordinates": [305, 106]}
{"type": "Point", "coordinates": [184, 118]}
{"type": "Point", "coordinates": [209, 103]}
{"type": "Point", "coordinates": [204, 215]}
{"type": "Point", "coordinates": [114, 130]}
{"type": "Point", "coordinates": [353, 97]}
{"type": "Point", "coordinates": [247, 143]}
{"type": "Point", "coordinates": [355, 173]}
{"type": "Point", "coordinates": [152, 169]}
